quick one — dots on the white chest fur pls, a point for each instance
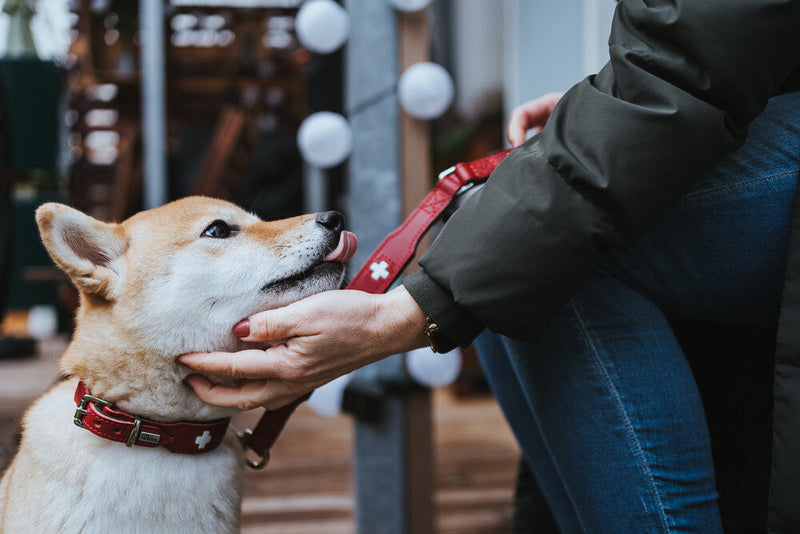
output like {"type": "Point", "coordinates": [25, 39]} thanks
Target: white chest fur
{"type": "Point", "coordinates": [65, 479]}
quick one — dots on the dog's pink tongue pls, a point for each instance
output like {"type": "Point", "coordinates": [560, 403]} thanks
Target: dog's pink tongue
{"type": "Point", "coordinates": [345, 249]}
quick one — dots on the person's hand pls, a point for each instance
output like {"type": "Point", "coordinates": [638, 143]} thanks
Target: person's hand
{"type": "Point", "coordinates": [322, 337]}
{"type": "Point", "coordinates": [532, 114]}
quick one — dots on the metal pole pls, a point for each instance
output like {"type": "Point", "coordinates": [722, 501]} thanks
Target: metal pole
{"type": "Point", "coordinates": [154, 117]}
{"type": "Point", "coordinates": [386, 464]}
{"type": "Point", "coordinates": [315, 189]}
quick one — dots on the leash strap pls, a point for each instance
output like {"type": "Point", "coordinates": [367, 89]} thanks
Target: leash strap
{"type": "Point", "coordinates": [261, 439]}
{"type": "Point", "coordinates": [395, 252]}
{"type": "Point", "coordinates": [379, 272]}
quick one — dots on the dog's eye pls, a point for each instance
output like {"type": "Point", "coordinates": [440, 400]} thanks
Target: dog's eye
{"type": "Point", "coordinates": [218, 230]}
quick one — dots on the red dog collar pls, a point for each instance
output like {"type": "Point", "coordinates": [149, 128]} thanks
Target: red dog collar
{"type": "Point", "coordinates": [101, 418]}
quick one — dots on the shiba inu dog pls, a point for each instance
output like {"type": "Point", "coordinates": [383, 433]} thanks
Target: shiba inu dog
{"type": "Point", "coordinates": [165, 282]}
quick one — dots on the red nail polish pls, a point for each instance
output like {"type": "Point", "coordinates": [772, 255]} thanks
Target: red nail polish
{"type": "Point", "coordinates": [242, 329]}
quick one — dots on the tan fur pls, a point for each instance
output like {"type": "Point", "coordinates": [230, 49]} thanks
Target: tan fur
{"type": "Point", "coordinates": [151, 288]}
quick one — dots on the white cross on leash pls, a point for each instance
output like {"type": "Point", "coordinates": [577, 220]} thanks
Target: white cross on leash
{"type": "Point", "coordinates": [203, 440]}
{"type": "Point", "coordinates": [379, 270]}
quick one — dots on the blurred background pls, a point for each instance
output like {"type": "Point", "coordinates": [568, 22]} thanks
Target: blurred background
{"type": "Point", "coordinates": [284, 107]}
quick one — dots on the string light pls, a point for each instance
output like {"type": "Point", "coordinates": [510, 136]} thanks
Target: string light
{"type": "Point", "coordinates": [322, 26]}
{"type": "Point", "coordinates": [325, 139]}
{"type": "Point", "coordinates": [433, 370]}
{"type": "Point", "coordinates": [410, 5]}
{"type": "Point", "coordinates": [425, 90]}
{"type": "Point", "coordinates": [327, 399]}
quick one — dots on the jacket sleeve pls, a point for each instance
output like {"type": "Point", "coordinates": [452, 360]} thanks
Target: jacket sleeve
{"type": "Point", "coordinates": [684, 80]}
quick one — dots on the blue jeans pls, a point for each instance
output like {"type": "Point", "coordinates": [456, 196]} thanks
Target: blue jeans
{"type": "Point", "coordinates": [604, 405]}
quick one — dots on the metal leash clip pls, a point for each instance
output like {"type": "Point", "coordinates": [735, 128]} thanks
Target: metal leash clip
{"type": "Point", "coordinates": [244, 437]}
{"type": "Point", "coordinates": [461, 195]}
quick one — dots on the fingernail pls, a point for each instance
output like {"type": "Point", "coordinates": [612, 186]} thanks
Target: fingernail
{"type": "Point", "coordinates": [242, 329]}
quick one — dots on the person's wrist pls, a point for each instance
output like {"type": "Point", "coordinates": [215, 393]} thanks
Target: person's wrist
{"type": "Point", "coordinates": [407, 320]}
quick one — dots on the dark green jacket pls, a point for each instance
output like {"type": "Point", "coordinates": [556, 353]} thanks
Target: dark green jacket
{"type": "Point", "coordinates": [685, 79]}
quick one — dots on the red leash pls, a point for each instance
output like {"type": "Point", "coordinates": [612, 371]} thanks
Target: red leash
{"type": "Point", "coordinates": [392, 256]}
{"type": "Point", "coordinates": [379, 272]}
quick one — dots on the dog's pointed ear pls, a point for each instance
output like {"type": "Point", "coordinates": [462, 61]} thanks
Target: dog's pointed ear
{"type": "Point", "coordinates": [86, 249]}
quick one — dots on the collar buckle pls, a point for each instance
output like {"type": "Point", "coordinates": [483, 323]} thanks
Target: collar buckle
{"type": "Point", "coordinates": [82, 410]}
{"type": "Point", "coordinates": [136, 431]}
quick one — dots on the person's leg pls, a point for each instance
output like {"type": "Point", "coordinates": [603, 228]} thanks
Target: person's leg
{"type": "Point", "coordinates": [618, 415]}
{"type": "Point", "coordinates": [719, 254]}
{"type": "Point", "coordinates": [614, 403]}
{"type": "Point", "coordinates": [507, 389]}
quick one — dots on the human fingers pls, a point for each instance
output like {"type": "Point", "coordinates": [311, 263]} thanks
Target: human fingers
{"type": "Point", "coordinates": [305, 317]}
{"type": "Point", "coordinates": [251, 363]}
{"type": "Point", "coordinates": [517, 128]}
{"type": "Point", "coordinates": [532, 114]}
{"type": "Point", "coordinates": [250, 394]}
{"type": "Point", "coordinates": [277, 324]}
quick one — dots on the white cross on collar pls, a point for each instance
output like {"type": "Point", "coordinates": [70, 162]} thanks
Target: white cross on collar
{"type": "Point", "coordinates": [203, 440]}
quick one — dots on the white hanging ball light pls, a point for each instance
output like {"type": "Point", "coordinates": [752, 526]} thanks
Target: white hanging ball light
{"type": "Point", "coordinates": [410, 5]}
{"type": "Point", "coordinates": [325, 139]}
{"type": "Point", "coordinates": [322, 26]}
{"type": "Point", "coordinates": [433, 370]}
{"type": "Point", "coordinates": [327, 399]}
{"type": "Point", "coordinates": [42, 322]}
{"type": "Point", "coordinates": [425, 90]}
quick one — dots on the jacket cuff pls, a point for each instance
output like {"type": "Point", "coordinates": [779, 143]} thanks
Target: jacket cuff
{"type": "Point", "coordinates": [455, 321]}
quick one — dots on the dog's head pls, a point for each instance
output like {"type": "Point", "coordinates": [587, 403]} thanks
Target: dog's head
{"type": "Point", "coordinates": [177, 278]}
{"type": "Point", "coordinates": [184, 274]}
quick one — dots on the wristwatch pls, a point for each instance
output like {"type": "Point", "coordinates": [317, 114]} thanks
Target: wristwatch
{"type": "Point", "coordinates": [437, 339]}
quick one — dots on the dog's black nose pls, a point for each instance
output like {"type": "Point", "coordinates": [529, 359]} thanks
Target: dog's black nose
{"type": "Point", "coordinates": [332, 220]}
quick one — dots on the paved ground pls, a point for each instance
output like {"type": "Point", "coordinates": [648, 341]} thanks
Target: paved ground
{"type": "Point", "coordinates": [22, 381]}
